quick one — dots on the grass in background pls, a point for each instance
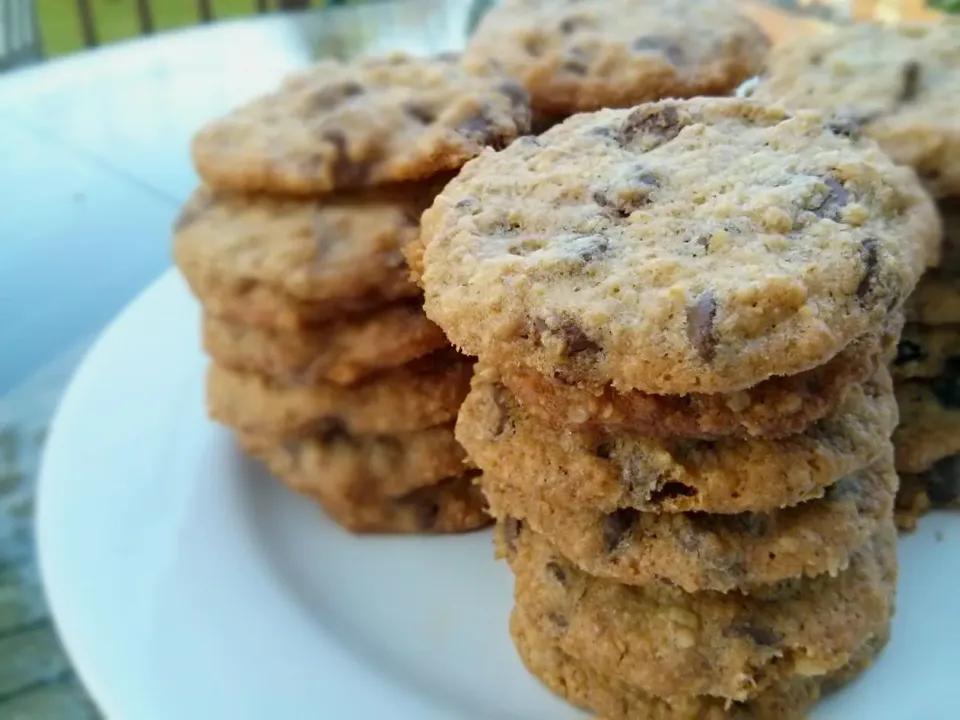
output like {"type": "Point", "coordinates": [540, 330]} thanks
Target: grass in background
{"type": "Point", "coordinates": [117, 19]}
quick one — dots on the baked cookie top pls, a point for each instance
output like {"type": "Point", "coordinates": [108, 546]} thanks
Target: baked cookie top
{"type": "Point", "coordinates": [900, 83]}
{"type": "Point", "coordinates": [344, 246]}
{"type": "Point", "coordinates": [368, 122]}
{"type": "Point", "coordinates": [683, 246]}
{"type": "Point", "coordinates": [580, 55]}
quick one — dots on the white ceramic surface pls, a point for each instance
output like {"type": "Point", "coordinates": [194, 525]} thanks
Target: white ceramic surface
{"type": "Point", "coordinates": [187, 585]}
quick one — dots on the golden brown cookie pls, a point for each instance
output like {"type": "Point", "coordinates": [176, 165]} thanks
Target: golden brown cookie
{"type": "Point", "coordinates": [700, 551]}
{"type": "Point", "coordinates": [778, 407]}
{"type": "Point", "coordinates": [286, 263]}
{"type": "Point", "coordinates": [613, 699]}
{"type": "Point", "coordinates": [684, 246]}
{"type": "Point", "coordinates": [936, 488]}
{"type": "Point", "coordinates": [899, 84]}
{"type": "Point", "coordinates": [368, 122]}
{"type": "Point", "coordinates": [729, 475]}
{"type": "Point", "coordinates": [452, 506]}
{"type": "Point", "coordinates": [419, 395]}
{"type": "Point", "coordinates": [333, 463]}
{"type": "Point", "coordinates": [667, 642]}
{"type": "Point", "coordinates": [591, 54]}
{"type": "Point", "coordinates": [341, 352]}
{"type": "Point", "coordinates": [929, 427]}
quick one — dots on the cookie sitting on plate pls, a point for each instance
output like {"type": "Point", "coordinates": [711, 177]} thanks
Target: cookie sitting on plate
{"type": "Point", "coordinates": [323, 360]}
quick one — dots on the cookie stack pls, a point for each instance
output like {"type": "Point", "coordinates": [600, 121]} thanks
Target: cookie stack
{"type": "Point", "coordinates": [900, 85]}
{"type": "Point", "coordinates": [682, 314]}
{"type": "Point", "coordinates": [323, 360]}
{"type": "Point", "coordinates": [593, 54]}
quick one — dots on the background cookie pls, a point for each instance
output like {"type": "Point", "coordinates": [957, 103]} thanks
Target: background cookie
{"type": "Point", "coordinates": [342, 352]}
{"type": "Point", "coordinates": [590, 54]}
{"type": "Point", "coordinates": [754, 244]}
{"type": "Point", "coordinates": [899, 84]}
{"type": "Point", "coordinates": [927, 351]}
{"type": "Point", "coordinates": [929, 427]}
{"type": "Point", "coordinates": [729, 475]}
{"type": "Point", "coordinates": [369, 122]}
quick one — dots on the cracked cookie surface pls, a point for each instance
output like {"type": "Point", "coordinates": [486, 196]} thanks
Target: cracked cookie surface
{"type": "Point", "coordinates": [694, 246]}
{"type": "Point", "coordinates": [373, 121]}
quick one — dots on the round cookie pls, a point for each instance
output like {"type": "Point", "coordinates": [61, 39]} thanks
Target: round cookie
{"type": "Point", "coordinates": [730, 475]}
{"type": "Point", "coordinates": [899, 84]}
{"type": "Point", "coordinates": [612, 699]}
{"type": "Point", "coordinates": [777, 407]}
{"type": "Point", "coordinates": [368, 122]}
{"type": "Point", "coordinates": [927, 351]}
{"type": "Point", "coordinates": [661, 639]}
{"type": "Point", "coordinates": [453, 506]}
{"type": "Point", "coordinates": [936, 488]}
{"type": "Point", "coordinates": [285, 263]}
{"type": "Point", "coordinates": [590, 54]}
{"type": "Point", "coordinates": [929, 427]}
{"type": "Point", "coordinates": [359, 468]}
{"type": "Point", "coordinates": [685, 246]}
{"type": "Point", "coordinates": [699, 551]}
{"type": "Point", "coordinates": [419, 395]}
{"type": "Point", "coordinates": [341, 352]}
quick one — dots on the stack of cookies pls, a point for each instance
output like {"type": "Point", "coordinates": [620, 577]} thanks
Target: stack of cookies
{"type": "Point", "coordinates": [323, 360]}
{"type": "Point", "coordinates": [682, 314]}
{"type": "Point", "coordinates": [900, 85]}
{"type": "Point", "coordinates": [591, 54]}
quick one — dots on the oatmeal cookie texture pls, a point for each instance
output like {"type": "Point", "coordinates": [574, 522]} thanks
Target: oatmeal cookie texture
{"type": "Point", "coordinates": [898, 84]}
{"type": "Point", "coordinates": [592, 54]}
{"type": "Point", "coordinates": [369, 122]}
{"type": "Point", "coordinates": [683, 314]}
{"type": "Point", "coordinates": [680, 247]}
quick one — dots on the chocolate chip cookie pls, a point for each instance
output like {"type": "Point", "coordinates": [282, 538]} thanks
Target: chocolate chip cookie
{"type": "Point", "coordinates": [341, 352]}
{"type": "Point", "coordinates": [899, 84]}
{"type": "Point", "coordinates": [778, 407]}
{"type": "Point", "coordinates": [368, 122]}
{"type": "Point", "coordinates": [591, 54]}
{"type": "Point", "coordinates": [452, 506]}
{"type": "Point", "coordinates": [668, 642]}
{"type": "Point", "coordinates": [929, 427]}
{"type": "Point", "coordinates": [927, 351]}
{"type": "Point", "coordinates": [419, 395]}
{"type": "Point", "coordinates": [700, 551]}
{"type": "Point", "coordinates": [334, 463]}
{"type": "Point", "coordinates": [581, 468]}
{"type": "Point", "coordinates": [286, 263]}
{"type": "Point", "coordinates": [613, 699]}
{"type": "Point", "coordinates": [936, 300]}
{"type": "Point", "coordinates": [684, 246]}
{"type": "Point", "coordinates": [935, 488]}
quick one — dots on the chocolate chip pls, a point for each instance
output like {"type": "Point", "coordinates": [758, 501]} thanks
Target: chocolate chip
{"type": "Point", "coordinates": [535, 45]}
{"type": "Point", "coordinates": [870, 258]}
{"type": "Point", "coordinates": [482, 131]}
{"type": "Point", "coordinates": [592, 247]}
{"type": "Point", "coordinates": [575, 340]}
{"type": "Point", "coordinates": [946, 387]}
{"type": "Point", "coordinates": [701, 332]}
{"type": "Point", "coordinates": [665, 46]}
{"type": "Point", "coordinates": [908, 352]}
{"type": "Point", "coordinates": [760, 634]}
{"type": "Point", "coordinates": [659, 122]}
{"type": "Point", "coordinates": [501, 397]}
{"type": "Point", "coordinates": [601, 131]}
{"type": "Point", "coordinates": [467, 204]}
{"type": "Point", "coordinates": [327, 98]}
{"type": "Point", "coordinates": [510, 528]}
{"type": "Point", "coordinates": [557, 573]}
{"type": "Point", "coordinates": [616, 527]}
{"type": "Point", "coordinates": [516, 94]}
{"type": "Point", "coordinates": [420, 113]}
{"type": "Point", "coordinates": [910, 82]}
{"type": "Point", "coordinates": [558, 621]}
{"type": "Point", "coordinates": [670, 491]}
{"type": "Point", "coordinates": [752, 524]}
{"type": "Point", "coordinates": [424, 507]}
{"type": "Point", "coordinates": [848, 127]}
{"type": "Point", "coordinates": [622, 203]}
{"type": "Point", "coordinates": [837, 198]}
{"type": "Point", "coordinates": [329, 429]}
{"type": "Point", "coordinates": [604, 451]}
{"type": "Point", "coordinates": [942, 481]}
{"type": "Point", "coordinates": [346, 172]}
{"type": "Point", "coordinates": [572, 24]}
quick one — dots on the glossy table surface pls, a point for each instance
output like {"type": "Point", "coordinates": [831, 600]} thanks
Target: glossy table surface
{"type": "Point", "coordinates": [93, 166]}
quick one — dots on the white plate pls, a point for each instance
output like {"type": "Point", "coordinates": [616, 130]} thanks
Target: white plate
{"type": "Point", "coordinates": [186, 585]}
